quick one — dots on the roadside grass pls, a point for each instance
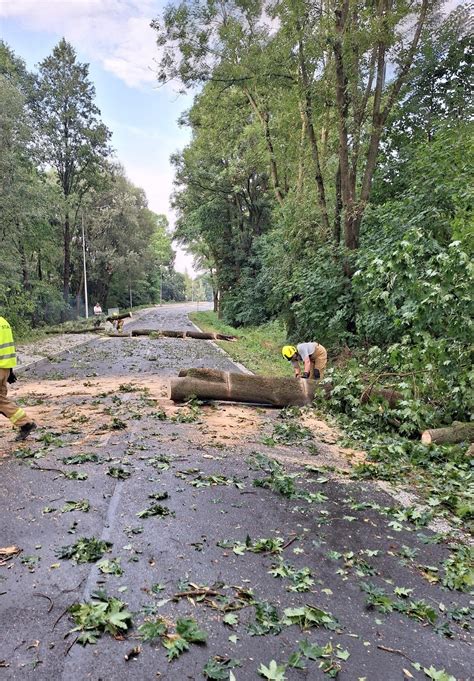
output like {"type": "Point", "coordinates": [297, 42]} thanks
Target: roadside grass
{"type": "Point", "coordinates": [257, 347]}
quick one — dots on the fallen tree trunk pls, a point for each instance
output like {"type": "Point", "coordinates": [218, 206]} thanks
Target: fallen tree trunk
{"type": "Point", "coordinates": [113, 317]}
{"type": "Point", "coordinates": [159, 333]}
{"type": "Point", "coordinates": [210, 384]}
{"type": "Point", "coordinates": [391, 396]}
{"type": "Point", "coordinates": [89, 329]}
{"type": "Point", "coordinates": [457, 432]}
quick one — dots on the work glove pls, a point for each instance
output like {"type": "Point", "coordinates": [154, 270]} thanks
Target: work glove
{"type": "Point", "coordinates": [305, 374]}
{"type": "Point", "coordinates": [11, 377]}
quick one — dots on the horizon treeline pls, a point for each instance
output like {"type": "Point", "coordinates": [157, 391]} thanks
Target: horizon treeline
{"type": "Point", "coordinates": [60, 179]}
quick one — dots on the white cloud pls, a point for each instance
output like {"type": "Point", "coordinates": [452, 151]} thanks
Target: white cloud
{"type": "Point", "coordinates": [114, 32]}
{"type": "Point", "coordinates": [133, 58]}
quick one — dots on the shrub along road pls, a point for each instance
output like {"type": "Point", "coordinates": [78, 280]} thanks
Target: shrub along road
{"type": "Point", "coordinates": [216, 538]}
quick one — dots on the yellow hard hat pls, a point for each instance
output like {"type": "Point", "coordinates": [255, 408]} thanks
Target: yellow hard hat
{"type": "Point", "coordinates": [288, 351]}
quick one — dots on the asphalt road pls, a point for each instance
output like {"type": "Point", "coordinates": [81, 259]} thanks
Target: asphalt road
{"type": "Point", "coordinates": [108, 399]}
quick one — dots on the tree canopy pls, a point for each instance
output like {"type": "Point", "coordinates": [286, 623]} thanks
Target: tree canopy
{"type": "Point", "coordinates": [58, 175]}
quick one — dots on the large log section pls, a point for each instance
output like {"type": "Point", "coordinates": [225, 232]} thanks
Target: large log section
{"type": "Point", "coordinates": [153, 333]}
{"type": "Point", "coordinates": [183, 334]}
{"type": "Point", "coordinates": [457, 432]}
{"type": "Point", "coordinates": [211, 384]}
{"type": "Point", "coordinates": [220, 377]}
{"type": "Point", "coordinates": [158, 333]}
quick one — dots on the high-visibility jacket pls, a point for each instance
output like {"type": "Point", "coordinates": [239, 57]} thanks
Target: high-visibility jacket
{"type": "Point", "coordinates": [7, 347]}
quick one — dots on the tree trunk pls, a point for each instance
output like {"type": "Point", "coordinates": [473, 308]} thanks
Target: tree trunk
{"type": "Point", "coordinates": [264, 120]}
{"type": "Point", "coordinates": [307, 109]}
{"type": "Point", "coordinates": [338, 209]}
{"type": "Point", "coordinates": [24, 268]}
{"type": "Point", "coordinates": [215, 300]}
{"type": "Point", "coordinates": [40, 269]}
{"type": "Point", "coordinates": [158, 333]}
{"type": "Point", "coordinates": [78, 294]}
{"type": "Point", "coordinates": [457, 432]}
{"type": "Point", "coordinates": [67, 257]}
{"type": "Point", "coordinates": [211, 384]}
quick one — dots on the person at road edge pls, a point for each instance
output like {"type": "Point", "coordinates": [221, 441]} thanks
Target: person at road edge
{"type": "Point", "coordinates": [18, 417]}
{"type": "Point", "coordinates": [314, 358]}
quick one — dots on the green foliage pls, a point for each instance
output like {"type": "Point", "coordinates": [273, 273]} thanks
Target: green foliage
{"type": "Point", "coordinates": [187, 631]}
{"type": "Point", "coordinates": [301, 580]}
{"type": "Point", "coordinates": [81, 505]}
{"type": "Point", "coordinates": [308, 616]}
{"type": "Point", "coordinates": [76, 475]}
{"type": "Point", "coordinates": [329, 655]}
{"type": "Point", "coordinates": [118, 472]}
{"type": "Point", "coordinates": [110, 567]}
{"type": "Point", "coordinates": [101, 614]}
{"type": "Point", "coordinates": [433, 673]}
{"type": "Point", "coordinates": [85, 550]}
{"type": "Point", "coordinates": [416, 609]}
{"type": "Point", "coordinates": [152, 629]}
{"type": "Point", "coordinates": [55, 172]}
{"type": "Point", "coordinates": [274, 671]}
{"type": "Point", "coordinates": [155, 510]}
{"type": "Point", "coordinates": [459, 569]}
{"type": "Point", "coordinates": [80, 458]}
{"type": "Point", "coordinates": [218, 667]}
{"type": "Point", "coordinates": [267, 620]}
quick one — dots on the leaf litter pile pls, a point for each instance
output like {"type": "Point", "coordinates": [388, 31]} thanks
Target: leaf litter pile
{"type": "Point", "coordinates": [309, 576]}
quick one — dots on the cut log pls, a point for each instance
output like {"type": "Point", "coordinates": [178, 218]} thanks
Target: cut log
{"type": "Point", "coordinates": [113, 317]}
{"type": "Point", "coordinates": [392, 396]}
{"type": "Point", "coordinates": [159, 333]}
{"type": "Point", "coordinates": [457, 432]}
{"type": "Point", "coordinates": [211, 384]}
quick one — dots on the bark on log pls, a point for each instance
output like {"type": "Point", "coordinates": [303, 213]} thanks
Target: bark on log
{"type": "Point", "coordinates": [457, 432]}
{"type": "Point", "coordinates": [124, 315]}
{"type": "Point", "coordinates": [209, 384]}
{"type": "Point", "coordinates": [392, 396]}
{"type": "Point", "coordinates": [182, 334]}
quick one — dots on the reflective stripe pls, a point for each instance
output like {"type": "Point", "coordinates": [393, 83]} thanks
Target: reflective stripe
{"type": "Point", "coordinates": [7, 347]}
{"type": "Point", "coordinates": [19, 414]}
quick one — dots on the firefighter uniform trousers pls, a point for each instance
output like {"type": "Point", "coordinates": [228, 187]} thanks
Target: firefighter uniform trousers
{"type": "Point", "coordinates": [17, 415]}
{"type": "Point", "coordinates": [319, 359]}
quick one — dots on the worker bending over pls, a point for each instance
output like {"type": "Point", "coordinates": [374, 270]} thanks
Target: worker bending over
{"type": "Point", "coordinates": [17, 415]}
{"type": "Point", "coordinates": [313, 356]}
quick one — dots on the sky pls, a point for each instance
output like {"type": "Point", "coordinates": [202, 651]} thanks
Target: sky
{"type": "Point", "coordinates": [115, 38]}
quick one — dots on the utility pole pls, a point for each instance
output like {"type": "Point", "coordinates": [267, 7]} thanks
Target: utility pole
{"type": "Point", "coordinates": [86, 301]}
{"type": "Point", "coordinates": [161, 285]}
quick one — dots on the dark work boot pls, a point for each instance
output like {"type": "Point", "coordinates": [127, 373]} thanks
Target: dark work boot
{"type": "Point", "coordinates": [25, 431]}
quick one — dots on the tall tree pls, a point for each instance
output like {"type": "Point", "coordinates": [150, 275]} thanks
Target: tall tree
{"type": "Point", "coordinates": [72, 139]}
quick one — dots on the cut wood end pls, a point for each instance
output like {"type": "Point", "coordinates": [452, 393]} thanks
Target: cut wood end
{"type": "Point", "coordinates": [426, 437]}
